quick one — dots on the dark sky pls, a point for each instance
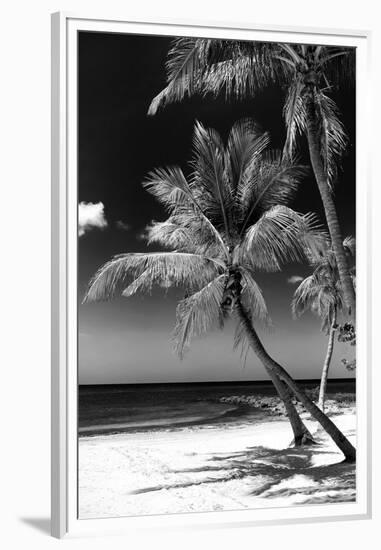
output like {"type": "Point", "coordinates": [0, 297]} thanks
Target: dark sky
{"type": "Point", "coordinates": [127, 340]}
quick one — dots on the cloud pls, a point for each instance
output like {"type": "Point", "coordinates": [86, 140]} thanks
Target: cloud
{"type": "Point", "coordinates": [143, 235]}
{"type": "Point", "coordinates": [90, 215]}
{"type": "Point", "coordinates": [122, 225]}
{"type": "Point", "coordinates": [294, 279]}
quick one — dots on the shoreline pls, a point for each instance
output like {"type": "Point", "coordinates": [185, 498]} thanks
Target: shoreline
{"type": "Point", "coordinates": [256, 407]}
{"type": "Point", "coordinates": [169, 424]}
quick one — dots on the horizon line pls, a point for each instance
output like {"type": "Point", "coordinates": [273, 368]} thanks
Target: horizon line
{"type": "Point", "coordinates": [212, 382]}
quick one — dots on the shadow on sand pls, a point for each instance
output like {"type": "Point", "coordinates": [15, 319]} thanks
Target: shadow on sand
{"type": "Point", "coordinates": [272, 473]}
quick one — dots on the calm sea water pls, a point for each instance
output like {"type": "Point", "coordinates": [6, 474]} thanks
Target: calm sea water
{"type": "Point", "coordinates": [112, 409]}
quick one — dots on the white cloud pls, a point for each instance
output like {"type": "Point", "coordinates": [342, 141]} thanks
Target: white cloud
{"type": "Point", "coordinates": [90, 215]}
{"type": "Point", "coordinates": [294, 279]}
{"type": "Point", "coordinates": [123, 226]}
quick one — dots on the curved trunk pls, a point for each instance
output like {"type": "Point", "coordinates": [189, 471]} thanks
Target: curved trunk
{"type": "Point", "coordinates": [338, 437]}
{"type": "Point", "coordinates": [327, 362]}
{"type": "Point", "coordinates": [329, 207]}
{"type": "Point", "coordinates": [302, 435]}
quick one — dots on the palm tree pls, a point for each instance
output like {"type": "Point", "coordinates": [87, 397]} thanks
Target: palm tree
{"type": "Point", "coordinates": [226, 221]}
{"type": "Point", "coordinates": [308, 72]}
{"type": "Point", "coordinates": [322, 293]}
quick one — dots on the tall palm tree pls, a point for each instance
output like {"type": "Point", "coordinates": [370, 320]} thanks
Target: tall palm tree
{"type": "Point", "coordinates": [307, 72]}
{"type": "Point", "coordinates": [226, 221]}
{"type": "Point", "coordinates": [321, 292]}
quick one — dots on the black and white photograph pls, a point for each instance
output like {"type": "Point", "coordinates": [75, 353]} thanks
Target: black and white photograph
{"type": "Point", "coordinates": [216, 274]}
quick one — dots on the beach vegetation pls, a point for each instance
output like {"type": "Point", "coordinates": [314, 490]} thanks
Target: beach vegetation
{"type": "Point", "coordinates": [322, 293]}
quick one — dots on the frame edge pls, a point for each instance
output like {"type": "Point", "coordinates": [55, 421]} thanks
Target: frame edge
{"type": "Point", "coordinates": [221, 24]}
{"type": "Point", "coordinates": [58, 279]}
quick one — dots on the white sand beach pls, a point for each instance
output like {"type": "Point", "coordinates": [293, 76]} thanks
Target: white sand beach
{"type": "Point", "coordinates": [210, 468]}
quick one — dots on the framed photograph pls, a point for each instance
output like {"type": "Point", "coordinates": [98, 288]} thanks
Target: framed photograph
{"type": "Point", "coordinates": [211, 275]}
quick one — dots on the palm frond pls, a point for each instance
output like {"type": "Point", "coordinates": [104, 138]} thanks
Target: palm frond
{"type": "Point", "coordinates": [325, 300]}
{"type": "Point", "coordinates": [295, 116]}
{"type": "Point", "coordinates": [202, 66]}
{"type": "Point", "coordinates": [286, 60]}
{"type": "Point", "coordinates": [185, 60]}
{"type": "Point", "coordinates": [252, 297]}
{"type": "Point", "coordinates": [172, 189]}
{"type": "Point", "coordinates": [339, 66]}
{"type": "Point", "coordinates": [349, 244]}
{"type": "Point", "coordinates": [333, 139]}
{"type": "Point", "coordinates": [247, 68]}
{"type": "Point", "coordinates": [166, 268]}
{"type": "Point", "coordinates": [305, 295]}
{"type": "Point", "coordinates": [275, 183]}
{"type": "Point", "coordinates": [243, 154]}
{"type": "Point", "coordinates": [198, 314]}
{"type": "Point", "coordinates": [245, 146]}
{"type": "Point", "coordinates": [317, 249]}
{"type": "Point", "coordinates": [187, 233]}
{"type": "Point", "coordinates": [169, 234]}
{"type": "Point", "coordinates": [321, 292]}
{"type": "Point", "coordinates": [279, 236]}
{"type": "Point", "coordinates": [143, 283]}
{"type": "Point", "coordinates": [209, 173]}
{"type": "Point", "coordinates": [314, 237]}
{"type": "Point", "coordinates": [292, 51]}
{"type": "Point", "coordinates": [238, 77]}
{"type": "Point", "coordinates": [280, 182]}
{"type": "Point", "coordinates": [324, 257]}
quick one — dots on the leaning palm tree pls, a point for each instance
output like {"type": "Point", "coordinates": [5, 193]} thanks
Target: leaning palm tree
{"type": "Point", "coordinates": [226, 221]}
{"type": "Point", "coordinates": [321, 293]}
{"type": "Point", "coordinates": [307, 72]}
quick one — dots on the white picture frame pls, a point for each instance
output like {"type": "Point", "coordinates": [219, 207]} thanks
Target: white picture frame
{"type": "Point", "coordinates": [65, 522]}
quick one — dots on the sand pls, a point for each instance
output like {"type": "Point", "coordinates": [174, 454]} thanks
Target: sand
{"type": "Point", "coordinates": [209, 468]}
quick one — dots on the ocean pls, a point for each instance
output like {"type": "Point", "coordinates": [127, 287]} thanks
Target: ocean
{"type": "Point", "coordinates": [112, 409]}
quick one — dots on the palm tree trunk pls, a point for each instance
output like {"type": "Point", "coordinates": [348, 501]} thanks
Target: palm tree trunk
{"type": "Point", "coordinates": [327, 362]}
{"type": "Point", "coordinates": [338, 437]}
{"type": "Point", "coordinates": [329, 206]}
{"type": "Point", "coordinates": [302, 435]}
